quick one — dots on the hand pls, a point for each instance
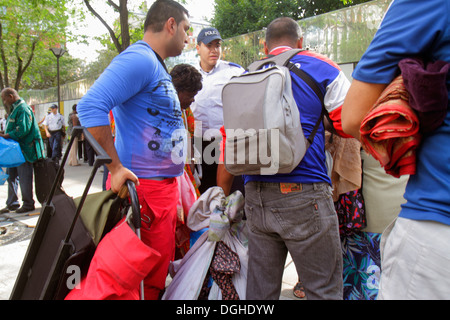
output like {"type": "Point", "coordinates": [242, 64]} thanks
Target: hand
{"type": "Point", "coordinates": [48, 134]}
{"type": "Point", "coordinates": [119, 178]}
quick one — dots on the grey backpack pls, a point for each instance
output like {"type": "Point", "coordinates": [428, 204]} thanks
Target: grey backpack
{"type": "Point", "coordinates": [264, 135]}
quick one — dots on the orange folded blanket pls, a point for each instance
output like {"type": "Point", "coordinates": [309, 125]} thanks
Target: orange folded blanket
{"type": "Point", "coordinates": [390, 131]}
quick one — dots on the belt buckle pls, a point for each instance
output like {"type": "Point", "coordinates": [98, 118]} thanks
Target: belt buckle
{"type": "Point", "coordinates": [286, 188]}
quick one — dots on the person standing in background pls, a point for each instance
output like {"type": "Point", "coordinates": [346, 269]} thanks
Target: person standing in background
{"type": "Point", "coordinates": [23, 128]}
{"type": "Point", "coordinates": [187, 81]}
{"type": "Point", "coordinates": [55, 127]}
{"type": "Point", "coordinates": [2, 124]}
{"type": "Point", "coordinates": [74, 121]}
{"type": "Point", "coordinates": [207, 107]}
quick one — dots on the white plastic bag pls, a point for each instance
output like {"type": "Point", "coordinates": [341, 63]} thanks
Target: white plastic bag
{"type": "Point", "coordinates": [225, 225]}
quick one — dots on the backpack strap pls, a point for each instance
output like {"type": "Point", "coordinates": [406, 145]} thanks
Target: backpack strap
{"type": "Point", "coordinates": [313, 85]}
{"type": "Point", "coordinates": [283, 59]}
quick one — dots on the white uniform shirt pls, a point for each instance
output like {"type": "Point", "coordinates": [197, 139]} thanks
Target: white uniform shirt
{"type": "Point", "coordinates": [54, 121]}
{"type": "Point", "coordinates": [2, 124]}
{"type": "Point", "coordinates": [207, 106]}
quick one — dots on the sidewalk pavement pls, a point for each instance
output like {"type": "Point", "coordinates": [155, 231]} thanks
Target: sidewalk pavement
{"type": "Point", "coordinates": [16, 231]}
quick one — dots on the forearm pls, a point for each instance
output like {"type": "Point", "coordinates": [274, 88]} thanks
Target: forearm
{"type": "Point", "coordinates": [104, 138]}
{"type": "Point", "coordinates": [47, 133]}
{"type": "Point", "coordinates": [224, 179]}
{"type": "Point", "coordinates": [359, 100]}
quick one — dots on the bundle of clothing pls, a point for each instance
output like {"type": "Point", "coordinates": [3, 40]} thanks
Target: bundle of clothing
{"type": "Point", "coordinates": [346, 178]}
{"type": "Point", "coordinates": [415, 103]}
{"type": "Point", "coordinates": [426, 84]}
{"type": "Point", "coordinates": [390, 131]}
{"type": "Point", "coordinates": [215, 267]}
{"type": "Point", "coordinates": [345, 166]}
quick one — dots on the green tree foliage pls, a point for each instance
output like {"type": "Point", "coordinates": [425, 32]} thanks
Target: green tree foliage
{"type": "Point", "coordinates": [236, 17]}
{"type": "Point", "coordinates": [121, 36]}
{"type": "Point", "coordinates": [28, 28]}
{"type": "Point", "coordinates": [95, 68]}
{"type": "Point", "coordinates": [124, 26]}
{"type": "Point", "coordinates": [42, 73]}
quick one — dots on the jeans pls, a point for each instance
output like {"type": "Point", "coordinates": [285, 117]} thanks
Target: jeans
{"type": "Point", "coordinates": [56, 144]}
{"type": "Point", "coordinates": [303, 223]}
{"type": "Point", "coordinates": [23, 176]}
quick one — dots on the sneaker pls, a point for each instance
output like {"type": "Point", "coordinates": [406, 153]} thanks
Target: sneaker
{"type": "Point", "coordinates": [23, 210]}
{"type": "Point", "coordinates": [9, 209]}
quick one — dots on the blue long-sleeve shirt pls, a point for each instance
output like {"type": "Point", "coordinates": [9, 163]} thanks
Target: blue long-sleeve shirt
{"type": "Point", "coordinates": [150, 135]}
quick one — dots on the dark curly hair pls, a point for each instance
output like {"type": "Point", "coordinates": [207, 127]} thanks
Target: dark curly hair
{"type": "Point", "coordinates": [186, 78]}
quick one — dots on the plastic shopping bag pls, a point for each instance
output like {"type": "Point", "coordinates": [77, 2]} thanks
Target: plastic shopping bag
{"type": "Point", "coordinates": [10, 153]}
{"type": "Point", "coordinates": [223, 217]}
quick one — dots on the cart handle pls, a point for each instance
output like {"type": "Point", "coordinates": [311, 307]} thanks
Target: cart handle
{"type": "Point", "coordinates": [129, 190]}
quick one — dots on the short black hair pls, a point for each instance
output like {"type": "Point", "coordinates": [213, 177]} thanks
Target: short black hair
{"type": "Point", "coordinates": [283, 28]}
{"type": "Point", "coordinates": [161, 11]}
{"type": "Point", "coordinates": [186, 78]}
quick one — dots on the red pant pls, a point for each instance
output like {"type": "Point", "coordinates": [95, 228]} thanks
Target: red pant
{"type": "Point", "coordinates": [158, 200]}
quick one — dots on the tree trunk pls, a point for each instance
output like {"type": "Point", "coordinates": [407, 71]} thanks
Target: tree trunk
{"type": "Point", "coordinates": [4, 79]}
{"type": "Point", "coordinates": [21, 69]}
{"type": "Point", "coordinates": [122, 9]}
{"type": "Point", "coordinates": [124, 27]}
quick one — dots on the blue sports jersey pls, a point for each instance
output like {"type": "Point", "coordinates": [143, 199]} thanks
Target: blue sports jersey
{"type": "Point", "coordinates": [150, 134]}
{"type": "Point", "coordinates": [334, 86]}
{"type": "Point", "coordinates": [416, 29]}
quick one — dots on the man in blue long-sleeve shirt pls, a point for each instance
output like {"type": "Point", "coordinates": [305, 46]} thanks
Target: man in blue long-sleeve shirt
{"type": "Point", "coordinates": [150, 141]}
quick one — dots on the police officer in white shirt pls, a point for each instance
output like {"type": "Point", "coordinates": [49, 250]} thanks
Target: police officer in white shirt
{"type": "Point", "coordinates": [207, 107]}
{"type": "Point", "coordinates": [55, 127]}
{"type": "Point", "coordinates": [2, 124]}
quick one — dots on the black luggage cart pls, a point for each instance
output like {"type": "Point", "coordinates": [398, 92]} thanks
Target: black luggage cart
{"type": "Point", "coordinates": [61, 240]}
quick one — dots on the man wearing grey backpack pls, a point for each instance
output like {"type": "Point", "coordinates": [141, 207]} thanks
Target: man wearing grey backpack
{"type": "Point", "coordinates": [294, 212]}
